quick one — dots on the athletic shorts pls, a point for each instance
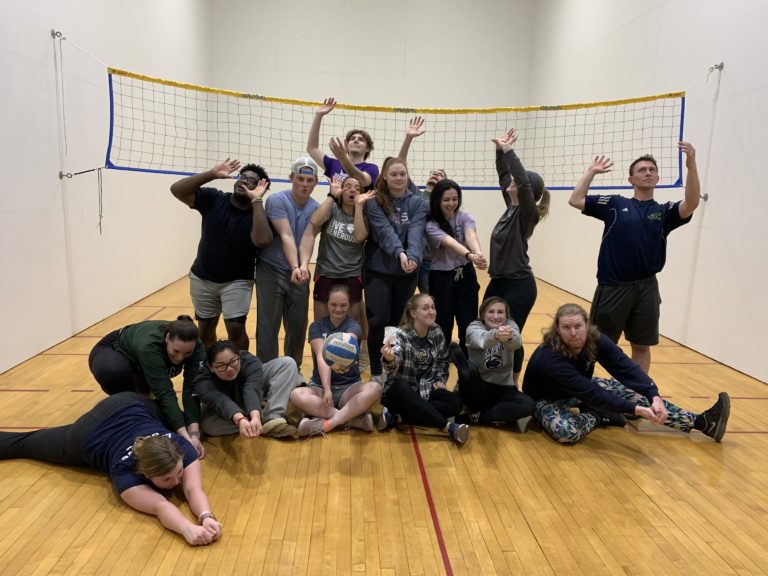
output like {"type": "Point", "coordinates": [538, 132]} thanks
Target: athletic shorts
{"type": "Point", "coordinates": [633, 307]}
{"type": "Point", "coordinates": [213, 298]}
{"type": "Point", "coordinates": [323, 286]}
{"type": "Point", "coordinates": [336, 391]}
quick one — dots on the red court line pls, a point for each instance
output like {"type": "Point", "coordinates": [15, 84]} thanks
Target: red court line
{"type": "Point", "coordinates": [431, 504]}
{"type": "Point", "coordinates": [83, 390]}
{"type": "Point", "coordinates": [22, 390]}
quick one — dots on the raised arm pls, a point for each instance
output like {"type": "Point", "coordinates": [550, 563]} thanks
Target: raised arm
{"type": "Point", "coordinates": [184, 189]}
{"type": "Point", "coordinates": [414, 130]}
{"type": "Point", "coordinates": [692, 186]}
{"type": "Point", "coordinates": [361, 224]}
{"type": "Point", "coordinates": [313, 140]}
{"type": "Point", "coordinates": [323, 212]}
{"type": "Point", "coordinates": [600, 165]}
{"type": "Point", "coordinates": [340, 152]}
{"type": "Point", "coordinates": [261, 231]}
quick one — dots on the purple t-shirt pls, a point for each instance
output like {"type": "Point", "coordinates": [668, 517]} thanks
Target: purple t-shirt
{"type": "Point", "coordinates": [334, 168]}
{"type": "Point", "coordinates": [445, 258]}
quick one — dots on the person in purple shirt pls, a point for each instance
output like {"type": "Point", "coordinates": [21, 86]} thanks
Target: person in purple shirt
{"type": "Point", "coordinates": [350, 155]}
{"type": "Point", "coordinates": [634, 248]}
{"type": "Point", "coordinates": [559, 377]}
{"type": "Point", "coordinates": [455, 251]}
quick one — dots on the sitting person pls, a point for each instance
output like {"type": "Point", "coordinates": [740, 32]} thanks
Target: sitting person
{"type": "Point", "coordinates": [123, 437]}
{"type": "Point", "coordinates": [416, 365]}
{"type": "Point", "coordinates": [335, 398]}
{"type": "Point", "coordinates": [486, 383]}
{"type": "Point", "coordinates": [559, 376]}
{"type": "Point", "coordinates": [143, 357]}
{"type": "Point", "coordinates": [232, 387]}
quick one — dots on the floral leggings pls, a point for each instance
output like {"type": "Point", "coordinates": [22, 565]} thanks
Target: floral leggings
{"type": "Point", "coordinates": [567, 428]}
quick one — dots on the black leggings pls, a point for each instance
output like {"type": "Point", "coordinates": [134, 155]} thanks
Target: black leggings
{"type": "Point", "coordinates": [455, 294]}
{"type": "Point", "coordinates": [404, 400]}
{"type": "Point", "coordinates": [65, 444]}
{"type": "Point", "coordinates": [385, 298]}
{"type": "Point", "coordinates": [113, 371]}
{"type": "Point", "coordinates": [494, 402]}
{"type": "Point", "coordinates": [520, 296]}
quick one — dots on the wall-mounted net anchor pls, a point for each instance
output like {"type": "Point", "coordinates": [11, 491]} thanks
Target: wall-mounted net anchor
{"type": "Point", "coordinates": [704, 196]}
{"type": "Point", "coordinates": [63, 175]}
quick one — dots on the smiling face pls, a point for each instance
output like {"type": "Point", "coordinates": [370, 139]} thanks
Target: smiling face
{"type": "Point", "coordinates": [572, 330]}
{"type": "Point", "coordinates": [449, 203]}
{"type": "Point", "coordinates": [171, 479]}
{"type": "Point", "coordinates": [178, 350]}
{"type": "Point", "coordinates": [396, 177]}
{"type": "Point", "coordinates": [338, 307]}
{"type": "Point", "coordinates": [226, 364]}
{"type": "Point", "coordinates": [423, 314]}
{"type": "Point", "coordinates": [495, 315]}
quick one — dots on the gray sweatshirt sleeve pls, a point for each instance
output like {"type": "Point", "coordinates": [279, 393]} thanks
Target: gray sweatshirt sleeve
{"type": "Point", "coordinates": [385, 235]}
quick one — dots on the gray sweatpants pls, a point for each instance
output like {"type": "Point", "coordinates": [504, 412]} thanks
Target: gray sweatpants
{"type": "Point", "coordinates": [280, 378]}
{"type": "Point", "coordinates": [277, 299]}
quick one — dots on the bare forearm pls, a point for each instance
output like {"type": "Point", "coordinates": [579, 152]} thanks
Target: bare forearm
{"type": "Point", "coordinates": [579, 194]}
{"type": "Point", "coordinates": [405, 148]}
{"type": "Point", "coordinates": [313, 140]}
{"type": "Point", "coordinates": [261, 232]}
{"type": "Point", "coordinates": [184, 189]}
{"type": "Point", "coordinates": [692, 190]}
{"type": "Point", "coordinates": [363, 177]}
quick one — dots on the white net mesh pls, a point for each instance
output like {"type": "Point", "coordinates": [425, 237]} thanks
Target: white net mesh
{"type": "Point", "coordinates": [169, 127]}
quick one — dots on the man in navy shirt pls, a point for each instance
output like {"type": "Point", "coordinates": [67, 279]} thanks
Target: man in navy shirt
{"type": "Point", "coordinates": [634, 249]}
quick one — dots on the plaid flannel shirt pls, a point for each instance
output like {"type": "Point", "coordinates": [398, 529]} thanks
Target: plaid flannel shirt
{"type": "Point", "coordinates": [405, 363]}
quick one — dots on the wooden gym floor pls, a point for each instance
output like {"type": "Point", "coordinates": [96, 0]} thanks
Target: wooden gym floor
{"type": "Point", "coordinates": [631, 502]}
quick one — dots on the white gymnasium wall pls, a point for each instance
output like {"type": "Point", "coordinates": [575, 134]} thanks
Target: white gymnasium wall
{"type": "Point", "coordinates": [404, 53]}
{"type": "Point", "coordinates": [714, 282]}
{"type": "Point", "coordinates": [59, 275]}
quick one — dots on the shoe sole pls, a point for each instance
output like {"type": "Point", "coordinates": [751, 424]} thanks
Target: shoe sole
{"type": "Point", "coordinates": [462, 435]}
{"type": "Point", "coordinates": [722, 423]}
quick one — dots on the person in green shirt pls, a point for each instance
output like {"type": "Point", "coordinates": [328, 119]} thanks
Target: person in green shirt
{"type": "Point", "coordinates": [143, 357]}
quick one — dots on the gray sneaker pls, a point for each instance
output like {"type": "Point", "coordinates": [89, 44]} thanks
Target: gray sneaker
{"type": "Point", "coordinates": [362, 422]}
{"type": "Point", "coordinates": [386, 421]}
{"type": "Point", "coordinates": [278, 428]}
{"type": "Point", "coordinates": [459, 433]}
{"type": "Point", "coordinates": [311, 427]}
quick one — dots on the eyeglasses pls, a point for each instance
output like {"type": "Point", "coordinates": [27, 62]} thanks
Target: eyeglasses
{"type": "Point", "coordinates": [250, 181]}
{"type": "Point", "coordinates": [222, 367]}
{"type": "Point", "coordinates": [438, 173]}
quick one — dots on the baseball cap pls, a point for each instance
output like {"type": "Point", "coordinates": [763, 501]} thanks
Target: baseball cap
{"type": "Point", "coordinates": [304, 165]}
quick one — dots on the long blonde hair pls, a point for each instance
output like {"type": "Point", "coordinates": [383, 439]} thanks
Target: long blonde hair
{"type": "Point", "coordinates": [413, 302]}
{"type": "Point", "coordinates": [552, 337]}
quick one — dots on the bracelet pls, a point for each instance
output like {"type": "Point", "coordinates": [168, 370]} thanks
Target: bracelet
{"type": "Point", "coordinates": [237, 422]}
{"type": "Point", "coordinates": [466, 256]}
{"type": "Point", "coordinates": [257, 200]}
{"type": "Point", "coordinates": [195, 433]}
{"type": "Point", "coordinates": [204, 515]}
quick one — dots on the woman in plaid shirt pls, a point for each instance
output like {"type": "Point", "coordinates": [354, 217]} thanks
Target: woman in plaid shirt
{"type": "Point", "coordinates": [416, 362]}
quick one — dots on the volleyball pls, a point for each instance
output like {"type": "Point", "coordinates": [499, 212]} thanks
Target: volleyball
{"type": "Point", "coordinates": [340, 351]}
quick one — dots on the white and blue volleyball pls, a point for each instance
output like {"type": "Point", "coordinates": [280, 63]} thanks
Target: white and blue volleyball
{"type": "Point", "coordinates": [340, 351]}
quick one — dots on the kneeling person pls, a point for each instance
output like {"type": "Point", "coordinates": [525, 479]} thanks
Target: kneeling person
{"type": "Point", "coordinates": [335, 398]}
{"type": "Point", "coordinates": [232, 389]}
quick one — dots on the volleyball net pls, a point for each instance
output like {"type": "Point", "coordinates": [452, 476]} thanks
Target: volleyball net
{"type": "Point", "coordinates": [170, 127]}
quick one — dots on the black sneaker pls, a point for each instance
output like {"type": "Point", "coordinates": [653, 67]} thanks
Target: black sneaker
{"type": "Point", "coordinates": [713, 421]}
{"type": "Point", "coordinates": [606, 418]}
{"type": "Point", "coordinates": [467, 418]}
